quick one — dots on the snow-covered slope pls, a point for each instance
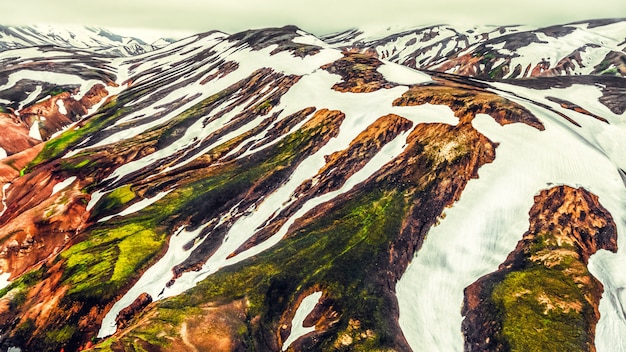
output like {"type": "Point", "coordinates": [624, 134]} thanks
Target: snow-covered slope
{"type": "Point", "coordinates": [589, 47]}
{"type": "Point", "coordinates": [594, 47]}
{"type": "Point", "coordinates": [418, 47]}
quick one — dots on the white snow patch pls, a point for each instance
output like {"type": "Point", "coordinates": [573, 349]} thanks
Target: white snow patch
{"type": "Point", "coordinates": [297, 323]}
{"type": "Point", "coordinates": [309, 39]}
{"type": "Point", "coordinates": [4, 280]}
{"type": "Point", "coordinates": [5, 188]}
{"type": "Point", "coordinates": [34, 131]}
{"type": "Point", "coordinates": [138, 206]}
{"type": "Point", "coordinates": [49, 77]}
{"type": "Point", "coordinates": [62, 185]}
{"type": "Point", "coordinates": [402, 74]}
{"type": "Point", "coordinates": [31, 97]}
{"type": "Point", "coordinates": [61, 106]}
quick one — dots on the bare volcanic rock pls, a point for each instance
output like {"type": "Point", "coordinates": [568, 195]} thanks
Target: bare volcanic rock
{"type": "Point", "coordinates": [467, 101]}
{"type": "Point", "coordinates": [127, 313]}
{"type": "Point", "coordinates": [14, 137]}
{"type": "Point", "coordinates": [543, 298]}
{"type": "Point", "coordinates": [359, 73]}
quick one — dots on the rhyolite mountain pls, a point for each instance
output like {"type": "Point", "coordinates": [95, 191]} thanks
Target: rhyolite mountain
{"type": "Point", "coordinates": [426, 189]}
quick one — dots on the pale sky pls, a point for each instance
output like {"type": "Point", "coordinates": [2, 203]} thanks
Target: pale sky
{"type": "Point", "coordinates": [319, 16]}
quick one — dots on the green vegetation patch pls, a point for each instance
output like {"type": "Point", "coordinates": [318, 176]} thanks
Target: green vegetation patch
{"type": "Point", "coordinates": [60, 336]}
{"type": "Point", "coordinates": [25, 281]}
{"type": "Point", "coordinates": [102, 264]}
{"type": "Point", "coordinates": [74, 164]}
{"type": "Point", "coordinates": [542, 310]}
{"type": "Point", "coordinates": [56, 146]}
{"type": "Point", "coordinates": [115, 200]}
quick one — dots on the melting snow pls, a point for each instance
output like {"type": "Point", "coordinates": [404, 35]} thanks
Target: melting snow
{"type": "Point", "coordinates": [465, 246]}
{"type": "Point", "coordinates": [50, 77]}
{"type": "Point", "coordinates": [361, 110]}
{"type": "Point", "coordinates": [402, 74]}
{"type": "Point", "coordinates": [154, 280]}
{"type": "Point", "coordinates": [62, 185]}
{"type": "Point", "coordinates": [61, 106]}
{"type": "Point", "coordinates": [5, 188]}
{"type": "Point", "coordinates": [4, 280]}
{"type": "Point", "coordinates": [297, 324]}
{"type": "Point", "coordinates": [309, 39]}
{"type": "Point", "coordinates": [31, 97]}
{"type": "Point", "coordinates": [34, 131]}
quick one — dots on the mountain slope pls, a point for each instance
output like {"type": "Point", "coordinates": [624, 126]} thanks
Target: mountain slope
{"type": "Point", "coordinates": [589, 47]}
{"type": "Point", "coordinates": [268, 191]}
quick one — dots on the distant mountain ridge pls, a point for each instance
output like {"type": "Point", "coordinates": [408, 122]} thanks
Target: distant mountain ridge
{"type": "Point", "coordinates": [98, 39]}
{"type": "Point", "coordinates": [586, 47]}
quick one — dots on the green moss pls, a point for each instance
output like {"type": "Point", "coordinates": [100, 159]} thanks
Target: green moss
{"type": "Point", "coordinates": [106, 261]}
{"type": "Point", "coordinates": [133, 250]}
{"type": "Point", "coordinates": [57, 91]}
{"type": "Point", "coordinates": [612, 71]}
{"type": "Point", "coordinates": [539, 306]}
{"type": "Point", "coordinates": [264, 107]}
{"type": "Point", "coordinates": [122, 195]}
{"type": "Point", "coordinates": [498, 71]}
{"type": "Point", "coordinates": [341, 252]}
{"type": "Point", "coordinates": [25, 281]}
{"type": "Point", "coordinates": [110, 256]}
{"type": "Point", "coordinates": [74, 166]}
{"type": "Point", "coordinates": [115, 200]}
{"type": "Point", "coordinates": [60, 336]}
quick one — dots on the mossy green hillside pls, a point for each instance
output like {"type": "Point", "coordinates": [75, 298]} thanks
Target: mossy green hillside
{"type": "Point", "coordinates": [102, 264]}
{"type": "Point", "coordinates": [345, 251]}
{"type": "Point", "coordinates": [57, 146]}
{"type": "Point", "coordinates": [543, 306]}
{"type": "Point", "coordinates": [114, 200]}
{"type": "Point", "coordinates": [106, 115]}
{"type": "Point", "coordinates": [111, 256]}
{"type": "Point", "coordinates": [335, 253]}
{"type": "Point", "coordinates": [542, 310]}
